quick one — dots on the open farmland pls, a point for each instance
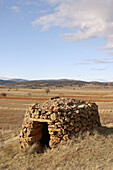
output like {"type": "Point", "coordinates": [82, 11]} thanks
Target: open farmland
{"type": "Point", "coordinates": [89, 152]}
{"type": "Point", "coordinates": [14, 105]}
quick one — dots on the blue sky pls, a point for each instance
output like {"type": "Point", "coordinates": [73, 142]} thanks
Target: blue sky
{"type": "Point", "coordinates": [53, 39]}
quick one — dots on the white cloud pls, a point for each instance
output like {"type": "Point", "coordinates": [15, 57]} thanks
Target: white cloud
{"type": "Point", "coordinates": [86, 18]}
{"type": "Point", "coordinates": [15, 9]}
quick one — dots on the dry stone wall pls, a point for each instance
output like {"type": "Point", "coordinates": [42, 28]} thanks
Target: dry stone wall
{"type": "Point", "coordinates": [66, 118]}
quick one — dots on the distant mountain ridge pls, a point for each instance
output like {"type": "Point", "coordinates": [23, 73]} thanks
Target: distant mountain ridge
{"type": "Point", "coordinates": [4, 82]}
{"type": "Point", "coordinates": [60, 83]}
{"type": "Point", "coordinates": [18, 80]}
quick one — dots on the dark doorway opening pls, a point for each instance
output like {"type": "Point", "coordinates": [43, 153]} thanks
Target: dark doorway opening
{"type": "Point", "coordinates": [45, 136]}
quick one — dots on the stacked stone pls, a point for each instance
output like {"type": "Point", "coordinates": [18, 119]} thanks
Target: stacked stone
{"type": "Point", "coordinates": [31, 130]}
{"type": "Point", "coordinates": [66, 119]}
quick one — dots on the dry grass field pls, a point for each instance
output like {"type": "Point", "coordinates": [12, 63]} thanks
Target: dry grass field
{"type": "Point", "coordinates": [93, 151]}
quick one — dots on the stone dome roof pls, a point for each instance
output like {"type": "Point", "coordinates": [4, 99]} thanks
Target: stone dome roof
{"type": "Point", "coordinates": [64, 118]}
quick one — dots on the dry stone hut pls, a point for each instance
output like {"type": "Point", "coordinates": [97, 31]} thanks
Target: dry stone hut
{"type": "Point", "coordinates": [56, 120]}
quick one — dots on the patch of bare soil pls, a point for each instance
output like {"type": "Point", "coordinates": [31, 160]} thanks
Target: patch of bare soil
{"type": "Point", "coordinates": [106, 119]}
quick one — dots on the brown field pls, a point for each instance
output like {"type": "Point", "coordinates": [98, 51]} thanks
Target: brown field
{"type": "Point", "coordinates": [13, 106]}
{"type": "Point", "coordinates": [12, 109]}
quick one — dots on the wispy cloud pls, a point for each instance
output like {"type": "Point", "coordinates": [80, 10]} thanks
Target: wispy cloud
{"type": "Point", "coordinates": [15, 9]}
{"type": "Point", "coordinates": [93, 61]}
{"type": "Point", "coordinates": [98, 69]}
{"type": "Point", "coordinates": [83, 63]}
{"type": "Point", "coordinates": [102, 62]}
{"type": "Point", "coordinates": [102, 80]}
{"type": "Point", "coordinates": [108, 58]}
{"type": "Point", "coordinates": [110, 53]}
{"type": "Point", "coordinates": [87, 19]}
{"type": "Point", "coordinates": [107, 47]}
{"type": "Point", "coordinates": [80, 75]}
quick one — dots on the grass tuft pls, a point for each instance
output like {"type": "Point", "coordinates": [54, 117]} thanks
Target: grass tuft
{"type": "Point", "coordinates": [89, 151]}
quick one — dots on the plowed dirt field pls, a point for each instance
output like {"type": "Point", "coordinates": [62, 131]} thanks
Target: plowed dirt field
{"type": "Point", "coordinates": [14, 105]}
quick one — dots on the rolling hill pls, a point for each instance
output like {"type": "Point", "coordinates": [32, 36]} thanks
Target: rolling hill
{"type": "Point", "coordinates": [61, 83]}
